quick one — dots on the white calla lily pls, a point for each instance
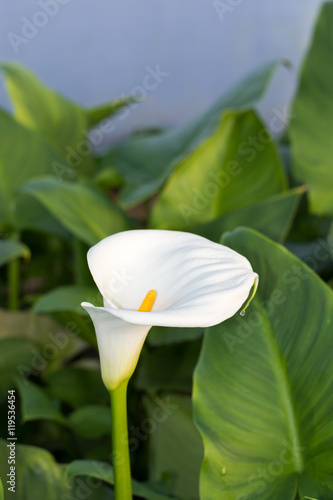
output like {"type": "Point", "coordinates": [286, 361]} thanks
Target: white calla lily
{"type": "Point", "coordinates": [198, 284]}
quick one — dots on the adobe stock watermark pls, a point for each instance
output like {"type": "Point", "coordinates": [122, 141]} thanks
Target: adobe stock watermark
{"type": "Point", "coordinates": [31, 27]}
{"type": "Point", "coordinates": [224, 7]}
{"type": "Point", "coordinates": [293, 278]}
{"type": "Point", "coordinates": [92, 139]}
{"type": "Point", "coordinates": [82, 488]}
{"type": "Point", "coordinates": [249, 149]}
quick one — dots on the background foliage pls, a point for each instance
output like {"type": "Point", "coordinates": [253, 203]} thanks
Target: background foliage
{"type": "Point", "coordinates": [255, 420]}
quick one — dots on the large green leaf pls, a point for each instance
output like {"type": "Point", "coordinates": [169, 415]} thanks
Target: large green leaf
{"type": "Point", "coordinates": [263, 396]}
{"type": "Point", "coordinates": [175, 446]}
{"type": "Point", "coordinates": [104, 471]}
{"type": "Point", "coordinates": [84, 211]}
{"type": "Point", "coordinates": [36, 404]}
{"type": "Point", "coordinates": [312, 122]}
{"type": "Point", "coordinates": [146, 162]}
{"type": "Point", "coordinates": [43, 110]}
{"type": "Point", "coordinates": [67, 298]}
{"type": "Point", "coordinates": [272, 217]}
{"type": "Point", "coordinates": [225, 172]}
{"type": "Point", "coordinates": [11, 250]}
{"type": "Point", "coordinates": [23, 155]}
{"type": "Point", "coordinates": [38, 476]}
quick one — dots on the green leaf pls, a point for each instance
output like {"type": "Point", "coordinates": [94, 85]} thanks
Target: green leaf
{"type": "Point", "coordinates": [262, 388]}
{"type": "Point", "coordinates": [38, 476]}
{"type": "Point", "coordinates": [23, 155]}
{"type": "Point", "coordinates": [11, 250]}
{"type": "Point", "coordinates": [272, 217]}
{"type": "Point", "coordinates": [47, 345]}
{"type": "Point", "coordinates": [30, 214]}
{"type": "Point", "coordinates": [97, 114]}
{"type": "Point", "coordinates": [43, 110]}
{"type": "Point", "coordinates": [36, 404]}
{"type": "Point", "coordinates": [175, 446]}
{"type": "Point", "coordinates": [108, 177]}
{"type": "Point", "coordinates": [67, 298]}
{"type": "Point", "coordinates": [84, 211]}
{"type": "Point", "coordinates": [146, 162]}
{"type": "Point", "coordinates": [224, 173]}
{"type": "Point", "coordinates": [104, 471]}
{"type": "Point", "coordinates": [77, 386]}
{"type": "Point", "coordinates": [1, 491]}
{"type": "Point", "coordinates": [313, 117]}
{"type": "Point", "coordinates": [14, 352]}
{"type": "Point", "coordinates": [154, 370]}
{"type": "Point", "coordinates": [92, 421]}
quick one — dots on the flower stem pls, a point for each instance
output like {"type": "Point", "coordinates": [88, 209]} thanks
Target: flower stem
{"type": "Point", "coordinates": [120, 452]}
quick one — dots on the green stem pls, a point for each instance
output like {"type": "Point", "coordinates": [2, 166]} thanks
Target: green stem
{"type": "Point", "coordinates": [119, 433]}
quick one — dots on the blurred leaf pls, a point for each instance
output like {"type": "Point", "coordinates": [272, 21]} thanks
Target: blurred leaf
{"type": "Point", "coordinates": [175, 446]}
{"type": "Point", "coordinates": [226, 172]}
{"type": "Point", "coordinates": [30, 214]}
{"type": "Point", "coordinates": [154, 371]}
{"type": "Point", "coordinates": [77, 386]}
{"type": "Point", "coordinates": [1, 491]}
{"type": "Point", "coordinates": [313, 117]}
{"type": "Point", "coordinates": [160, 335]}
{"type": "Point", "coordinates": [272, 217]}
{"type": "Point", "coordinates": [78, 324]}
{"type": "Point", "coordinates": [23, 155]}
{"type": "Point", "coordinates": [49, 344]}
{"type": "Point", "coordinates": [84, 211]}
{"type": "Point", "coordinates": [11, 250]}
{"type": "Point", "coordinates": [262, 388]}
{"type": "Point", "coordinates": [146, 162]}
{"type": "Point", "coordinates": [38, 476]}
{"type": "Point", "coordinates": [104, 471]}
{"type": "Point", "coordinates": [36, 404]}
{"type": "Point", "coordinates": [14, 352]}
{"type": "Point", "coordinates": [67, 298]}
{"type": "Point", "coordinates": [43, 110]}
{"type": "Point", "coordinates": [109, 177]}
{"type": "Point", "coordinates": [92, 421]}
{"type": "Point", "coordinates": [99, 113]}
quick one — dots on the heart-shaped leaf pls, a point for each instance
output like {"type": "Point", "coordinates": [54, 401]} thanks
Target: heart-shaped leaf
{"type": "Point", "coordinates": [263, 396]}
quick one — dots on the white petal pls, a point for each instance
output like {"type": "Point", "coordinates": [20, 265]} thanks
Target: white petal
{"type": "Point", "coordinates": [119, 345]}
{"type": "Point", "coordinates": [198, 282]}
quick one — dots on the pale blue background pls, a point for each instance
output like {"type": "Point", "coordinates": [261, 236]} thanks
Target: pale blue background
{"type": "Point", "coordinates": [94, 50]}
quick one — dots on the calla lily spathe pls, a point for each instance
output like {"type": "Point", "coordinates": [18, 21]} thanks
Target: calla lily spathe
{"type": "Point", "coordinates": [198, 283]}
